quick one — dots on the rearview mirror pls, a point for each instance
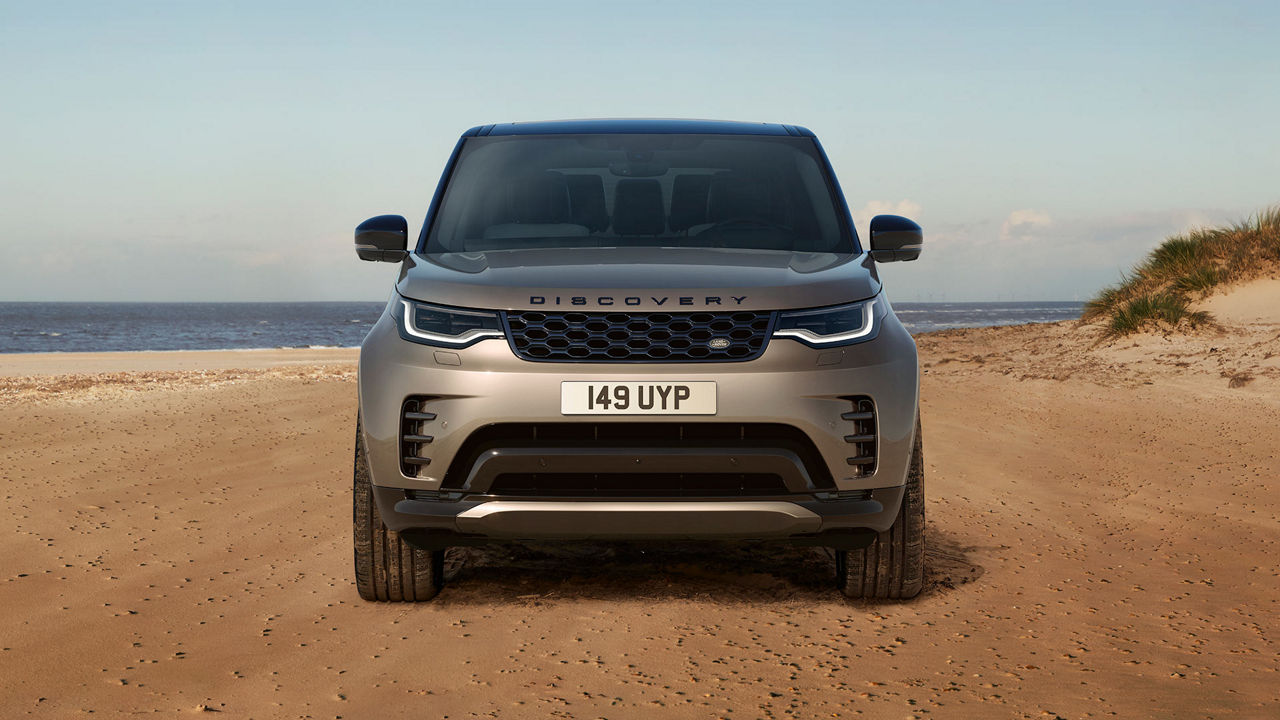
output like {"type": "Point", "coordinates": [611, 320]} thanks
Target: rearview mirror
{"type": "Point", "coordinates": [382, 238]}
{"type": "Point", "coordinates": [895, 238]}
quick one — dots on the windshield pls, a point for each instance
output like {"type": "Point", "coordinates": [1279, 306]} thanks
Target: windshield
{"type": "Point", "coordinates": [704, 191]}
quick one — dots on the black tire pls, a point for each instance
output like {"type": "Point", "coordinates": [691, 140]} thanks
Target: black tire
{"type": "Point", "coordinates": [893, 565]}
{"type": "Point", "coordinates": [387, 568]}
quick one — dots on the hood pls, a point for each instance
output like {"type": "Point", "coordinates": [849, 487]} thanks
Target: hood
{"type": "Point", "coordinates": [648, 279]}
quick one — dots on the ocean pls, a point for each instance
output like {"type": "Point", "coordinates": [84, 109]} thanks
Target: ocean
{"type": "Point", "coordinates": [105, 327]}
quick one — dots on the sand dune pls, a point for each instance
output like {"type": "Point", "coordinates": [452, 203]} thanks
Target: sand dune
{"type": "Point", "coordinates": [1103, 537]}
{"type": "Point", "coordinates": [1254, 303]}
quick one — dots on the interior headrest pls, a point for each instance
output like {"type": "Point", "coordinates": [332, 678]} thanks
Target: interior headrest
{"type": "Point", "coordinates": [637, 208]}
{"type": "Point", "coordinates": [689, 201]}
{"type": "Point", "coordinates": [733, 196]}
{"type": "Point", "coordinates": [542, 198]}
{"type": "Point", "coordinates": [586, 201]}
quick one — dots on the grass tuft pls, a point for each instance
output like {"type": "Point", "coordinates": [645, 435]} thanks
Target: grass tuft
{"type": "Point", "coordinates": [1175, 255]}
{"type": "Point", "coordinates": [1156, 292]}
{"type": "Point", "coordinates": [1200, 280]}
{"type": "Point", "coordinates": [1153, 309]}
{"type": "Point", "coordinates": [1106, 301]}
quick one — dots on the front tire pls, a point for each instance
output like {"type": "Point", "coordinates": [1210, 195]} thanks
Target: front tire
{"type": "Point", "coordinates": [892, 566]}
{"type": "Point", "coordinates": [387, 568]}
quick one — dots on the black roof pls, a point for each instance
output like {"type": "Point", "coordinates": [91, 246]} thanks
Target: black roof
{"type": "Point", "coordinates": [638, 126]}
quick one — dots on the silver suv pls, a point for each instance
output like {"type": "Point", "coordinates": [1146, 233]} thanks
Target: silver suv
{"type": "Point", "coordinates": [638, 329]}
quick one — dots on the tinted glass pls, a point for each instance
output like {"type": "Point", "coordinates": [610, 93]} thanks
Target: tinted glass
{"type": "Point", "coordinates": [720, 191]}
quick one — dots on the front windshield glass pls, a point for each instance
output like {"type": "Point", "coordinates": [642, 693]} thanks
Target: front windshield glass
{"type": "Point", "coordinates": [704, 191]}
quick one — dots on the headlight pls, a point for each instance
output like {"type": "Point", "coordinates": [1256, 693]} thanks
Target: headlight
{"type": "Point", "coordinates": [445, 327]}
{"type": "Point", "coordinates": [833, 326]}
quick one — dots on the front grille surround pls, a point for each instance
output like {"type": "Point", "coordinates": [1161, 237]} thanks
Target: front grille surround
{"type": "Point", "coordinates": [647, 337]}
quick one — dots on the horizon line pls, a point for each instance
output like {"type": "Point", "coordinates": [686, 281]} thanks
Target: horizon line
{"type": "Point", "coordinates": [286, 302]}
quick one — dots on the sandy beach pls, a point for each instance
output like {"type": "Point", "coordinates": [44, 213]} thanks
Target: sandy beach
{"type": "Point", "coordinates": [1103, 537]}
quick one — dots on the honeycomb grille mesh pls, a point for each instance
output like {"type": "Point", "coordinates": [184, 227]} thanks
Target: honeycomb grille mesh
{"type": "Point", "coordinates": [638, 337]}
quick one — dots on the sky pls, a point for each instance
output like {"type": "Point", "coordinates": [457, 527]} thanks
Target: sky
{"type": "Point", "coordinates": [225, 151]}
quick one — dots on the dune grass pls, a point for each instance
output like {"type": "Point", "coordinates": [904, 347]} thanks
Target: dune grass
{"type": "Point", "coordinates": [1142, 310]}
{"type": "Point", "coordinates": [1158, 292]}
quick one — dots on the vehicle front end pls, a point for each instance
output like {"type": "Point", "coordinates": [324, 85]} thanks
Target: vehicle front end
{"type": "Point", "coordinates": [638, 336]}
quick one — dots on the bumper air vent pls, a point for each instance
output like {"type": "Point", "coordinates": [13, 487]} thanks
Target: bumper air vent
{"type": "Point", "coordinates": [681, 437]}
{"type": "Point", "coordinates": [861, 435]}
{"type": "Point", "coordinates": [549, 336]}
{"type": "Point", "coordinates": [639, 485]}
{"type": "Point", "coordinates": [415, 435]}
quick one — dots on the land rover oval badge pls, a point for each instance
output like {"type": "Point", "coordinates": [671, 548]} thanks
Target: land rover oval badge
{"type": "Point", "coordinates": [718, 343]}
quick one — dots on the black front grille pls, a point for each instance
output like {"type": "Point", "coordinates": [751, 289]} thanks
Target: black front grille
{"type": "Point", "coordinates": [638, 485]}
{"type": "Point", "coordinates": [553, 336]}
{"type": "Point", "coordinates": [687, 435]}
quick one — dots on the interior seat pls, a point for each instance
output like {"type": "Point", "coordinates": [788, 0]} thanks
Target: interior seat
{"type": "Point", "coordinates": [637, 208]}
{"type": "Point", "coordinates": [534, 206]}
{"type": "Point", "coordinates": [744, 198]}
{"type": "Point", "coordinates": [586, 201]}
{"type": "Point", "coordinates": [688, 201]}
{"type": "Point", "coordinates": [734, 196]}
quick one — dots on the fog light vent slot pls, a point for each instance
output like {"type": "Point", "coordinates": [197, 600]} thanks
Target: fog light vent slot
{"type": "Point", "coordinates": [415, 435]}
{"type": "Point", "coordinates": [861, 435]}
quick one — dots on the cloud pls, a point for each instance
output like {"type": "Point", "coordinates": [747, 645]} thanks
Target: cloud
{"type": "Point", "coordinates": [1031, 254]}
{"type": "Point", "coordinates": [1022, 225]}
{"type": "Point", "coordinates": [862, 216]}
{"type": "Point", "coordinates": [906, 208]}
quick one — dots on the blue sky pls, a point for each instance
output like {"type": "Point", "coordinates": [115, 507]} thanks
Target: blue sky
{"type": "Point", "coordinates": [224, 151]}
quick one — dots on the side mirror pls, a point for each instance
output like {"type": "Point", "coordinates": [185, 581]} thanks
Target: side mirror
{"type": "Point", "coordinates": [382, 238]}
{"type": "Point", "coordinates": [895, 238]}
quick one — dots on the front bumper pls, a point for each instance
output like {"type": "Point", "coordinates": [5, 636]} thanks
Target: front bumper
{"type": "Point", "coordinates": [790, 383]}
{"type": "Point", "coordinates": [849, 521]}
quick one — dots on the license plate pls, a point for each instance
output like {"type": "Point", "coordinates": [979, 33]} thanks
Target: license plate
{"type": "Point", "coordinates": [638, 398]}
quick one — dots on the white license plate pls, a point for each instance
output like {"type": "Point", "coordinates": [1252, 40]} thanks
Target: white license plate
{"type": "Point", "coordinates": [638, 398]}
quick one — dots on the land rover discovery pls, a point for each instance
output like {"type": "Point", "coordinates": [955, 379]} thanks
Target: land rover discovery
{"type": "Point", "coordinates": [638, 329]}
